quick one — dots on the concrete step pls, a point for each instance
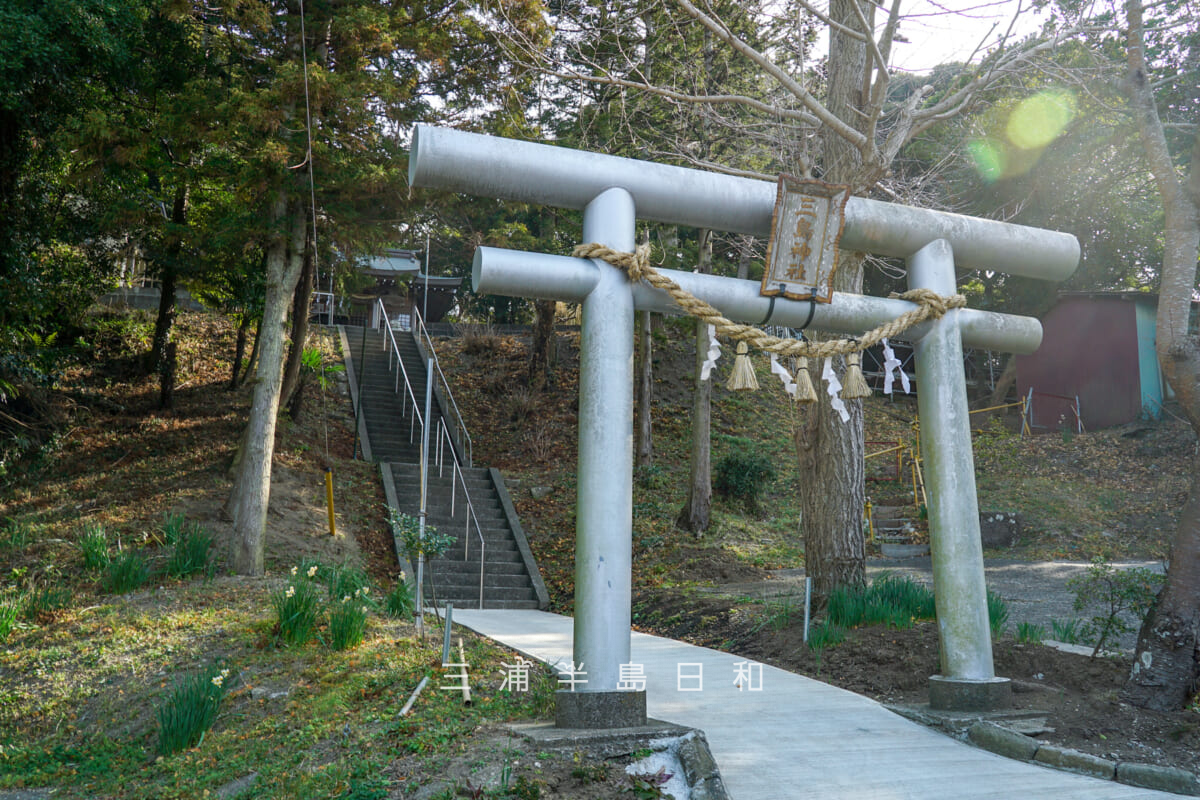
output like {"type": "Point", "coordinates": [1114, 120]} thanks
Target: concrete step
{"type": "Point", "coordinates": [389, 417]}
{"type": "Point", "coordinates": [495, 555]}
{"type": "Point", "coordinates": [444, 566]}
{"type": "Point", "coordinates": [490, 580]}
{"type": "Point", "coordinates": [473, 603]}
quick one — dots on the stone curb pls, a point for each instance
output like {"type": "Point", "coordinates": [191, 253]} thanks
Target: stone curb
{"type": "Point", "coordinates": [1075, 761]}
{"type": "Point", "coordinates": [1000, 740]}
{"type": "Point", "coordinates": [1010, 744]}
{"type": "Point", "coordinates": [700, 768]}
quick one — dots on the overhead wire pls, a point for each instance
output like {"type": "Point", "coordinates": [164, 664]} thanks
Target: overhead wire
{"type": "Point", "coordinates": [312, 194]}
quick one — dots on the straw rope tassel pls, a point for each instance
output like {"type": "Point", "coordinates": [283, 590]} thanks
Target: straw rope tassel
{"type": "Point", "coordinates": [930, 306]}
{"type": "Point", "coordinates": [854, 385]}
{"type": "Point", "coordinates": [742, 378]}
{"type": "Point", "coordinates": [805, 391]}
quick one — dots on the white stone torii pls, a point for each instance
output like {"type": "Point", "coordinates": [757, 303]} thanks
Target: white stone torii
{"type": "Point", "coordinates": [613, 193]}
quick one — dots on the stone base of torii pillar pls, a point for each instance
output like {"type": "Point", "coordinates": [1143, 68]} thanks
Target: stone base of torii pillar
{"type": "Point", "coordinates": [613, 193]}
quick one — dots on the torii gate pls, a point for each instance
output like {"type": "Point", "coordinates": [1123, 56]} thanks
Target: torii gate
{"type": "Point", "coordinates": [613, 193]}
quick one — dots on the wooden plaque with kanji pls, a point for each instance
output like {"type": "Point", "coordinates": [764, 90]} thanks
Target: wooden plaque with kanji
{"type": "Point", "coordinates": [805, 229]}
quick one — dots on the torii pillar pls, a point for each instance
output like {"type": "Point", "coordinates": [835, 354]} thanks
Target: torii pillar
{"type": "Point", "coordinates": [613, 193]}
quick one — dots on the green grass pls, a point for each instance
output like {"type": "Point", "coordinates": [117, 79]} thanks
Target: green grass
{"type": "Point", "coordinates": [347, 622]}
{"type": "Point", "coordinates": [891, 600]}
{"type": "Point", "coordinates": [15, 534]}
{"type": "Point", "coordinates": [191, 708]}
{"type": "Point", "coordinates": [127, 571]}
{"type": "Point", "coordinates": [825, 635]}
{"type": "Point", "coordinates": [93, 547]}
{"type": "Point", "coordinates": [45, 597]}
{"type": "Point", "coordinates": [297, 610]}
{"type": "Point", "coordinates": [1067, 631]}
{"type": "Point", "coordinates": [9, 611]}
{"type": "Point", "coordinates": [191, 548]}
{"type": "Point", "coordinates": [90, 726]}
{"type": "Point", "coordinates": [997, 613]}
{"type": "Point", "coordinates": [1029, 633]}
{"type": "Point", "coordinates": [779, 613]}
{"type": "Point", "coordinates": [399, 601]}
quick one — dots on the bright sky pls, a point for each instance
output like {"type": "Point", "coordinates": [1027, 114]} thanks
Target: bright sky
{"type": "Point", "coordinates": [939, 31]}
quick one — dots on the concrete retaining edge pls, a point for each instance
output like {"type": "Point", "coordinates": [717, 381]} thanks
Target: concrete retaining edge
{"type": "Point", "coordinates": [514, 525]}
{"type": "Point", "coordinates": [352, 382]}
{"type": "Point", "coordinates": [1010, 744]}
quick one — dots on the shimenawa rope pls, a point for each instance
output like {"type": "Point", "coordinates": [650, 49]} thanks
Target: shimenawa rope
{"type": "Point", "coordinates": [930, 305]}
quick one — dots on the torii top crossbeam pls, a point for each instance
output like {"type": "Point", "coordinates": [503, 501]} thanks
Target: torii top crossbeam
{"type": "Point", "coordinates": [507, 169]}
{"type": "Point", "coordinates": [613, 192]}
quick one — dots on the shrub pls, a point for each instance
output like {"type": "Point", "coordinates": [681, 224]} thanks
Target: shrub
{"type": "Point", "coordinates": [479, 339]}
{"type": "Point", "coordinates": [1123, 598]}
{"type": "Point", "coordinates": [408, 528]}
{"type": "Point", "coordinates": [522, 404]}
{"type": "Point", "coordinates": [997, 613]}
{"type": "Point", "coordinates": [297, 608]}
{"type": "Point", "coordinates": [191, 709]}
{"type": "Point", "coordinates": [743, 474]}
{"type": "Point", "coordinates": [191, 548]}
{"type": "Point", "coordinates": [127, 571]}
{"type": "Point", "coordinates": [93, 546]}
{"type": "Point", "coordinates": [347, 622]}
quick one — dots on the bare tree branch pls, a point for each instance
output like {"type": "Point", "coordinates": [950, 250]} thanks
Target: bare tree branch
{"type": "Point", "coordinates": [684, 97]}
{"type": "Point", "coordinates": [834, 24]}
{"type": "Point", "coordinates": [823, 114]}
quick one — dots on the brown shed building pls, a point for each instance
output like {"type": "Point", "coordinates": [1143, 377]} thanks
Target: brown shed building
{"type": "Point", "coordinates": [1097, 355]}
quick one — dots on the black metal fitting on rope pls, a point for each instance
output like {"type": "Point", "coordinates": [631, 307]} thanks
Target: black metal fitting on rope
{"type": "Point", "coordinates": [770, 311]}
{"type": "Point", "coordinates": [812, 309]}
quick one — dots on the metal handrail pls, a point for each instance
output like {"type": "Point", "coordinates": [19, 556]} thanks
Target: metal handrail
{"type": "Point", "coordinates": [402, 372]}
{"type": "Point", "coordinates": [443, 434]}
{"type": "Point", "coordinates": [459, 425]}
{"type": "Point", "coordinates": [456, 470]}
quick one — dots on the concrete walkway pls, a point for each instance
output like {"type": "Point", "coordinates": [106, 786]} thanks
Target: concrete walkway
{"type": "Point", "coordinates": [798, 737]}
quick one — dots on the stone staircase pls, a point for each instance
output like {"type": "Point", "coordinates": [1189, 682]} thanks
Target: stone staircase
{"type": "Point", "coordinates": [389, 437]}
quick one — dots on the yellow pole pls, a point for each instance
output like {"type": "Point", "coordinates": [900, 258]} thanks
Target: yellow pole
{"type": "Point", "coordinates": [913, 469]}
{"type": "Point", "coordinates": [329, 499]}
{"type": "Point", "coordinates": [870, 523]}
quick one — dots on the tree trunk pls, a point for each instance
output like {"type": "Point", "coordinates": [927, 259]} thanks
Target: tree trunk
{"type": "Point", "coordinates": [300, 307]}
{"type": "Point", "coordinates": [745, 253]}
{"type": "Point", "coordinates": [644, 448]}
{"type": "Point", "coordinates": [1166, 667]}
{"type": "Point", "coordinates": [541, 373]}
{"type": "Point", "coordinates": [239, 350]}
{"type": "Point", "coordinates": [829, 451]}
{"type": "Point", "coordinates": [166, 376]}
{"type": "Point", "coordinates": [252, 487]}
{"type": "Point", "coordinates": [1008, 376]}
{"type": "Point", "coordinates": [168, 270]}
{"type": "Point", "coordinates": [696, 509]}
